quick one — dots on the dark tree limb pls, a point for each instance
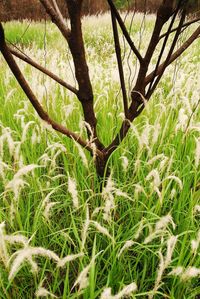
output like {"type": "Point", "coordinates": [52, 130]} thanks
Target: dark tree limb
{"type": "Point", "coordinates": [163, 48]}
{"type": "Point", "coordinates": [36, 65]}
{"type": "Point", "coordinates": [175, 55]}
{"type": "Point", "coordinates": [178, 32]}
{"type": "Point", "coordinates": [120, 66]}
{"type": "Point", "coordinates": [124, 30]}
{"type": "Point", "coordinates": [77, 48]}
{"type": "Point", "coordinates": [185, 25]}
{"type": "Point", "coordinates": [56, 18]}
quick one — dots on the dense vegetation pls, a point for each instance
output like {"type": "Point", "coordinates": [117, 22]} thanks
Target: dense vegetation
{"type": "Point", "coordinates": [143, 228]}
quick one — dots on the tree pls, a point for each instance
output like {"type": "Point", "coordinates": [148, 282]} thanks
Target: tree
{"type": "Point", "coordinates": [168, 13]}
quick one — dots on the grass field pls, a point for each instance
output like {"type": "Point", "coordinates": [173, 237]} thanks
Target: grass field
{"type": "Point", "coordinates": [60, 235]}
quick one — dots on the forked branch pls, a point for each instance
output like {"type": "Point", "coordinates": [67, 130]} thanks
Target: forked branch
{"type": "Point", "coordinates": [56, 18]}
{"type": "Point", "coordinates": [124, 30]}
{"type": "Point", "coordinates": [175, 55]}
{"type": "Point", "coordinates": [120, 65]}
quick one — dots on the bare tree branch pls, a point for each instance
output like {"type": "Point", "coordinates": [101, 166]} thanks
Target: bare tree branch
{"type": "Point", "coordinates": [175, 55]}
{"type": "Point", "coordinates": [163, 48]}
{"type": "Point", "coordinates": [187, 24]}
{"type": "Point", "coordinates": [119, 61]}
{"type": "Point", "coordinates": [124, 30]}
{"type": "Point", "coordinates": [28, 60]}
{"type": "Point", "coordinates": [56, 18]}
{"type": "Point", "coordinates": [58, 12]}
{"type": "Point", "coordinates": [77, 48]}
{"type": "Point", "coordinates": [178, 32]}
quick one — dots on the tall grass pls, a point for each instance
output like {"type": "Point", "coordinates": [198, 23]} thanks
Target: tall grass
{"type": "Point", "coordinates": [60, 234]}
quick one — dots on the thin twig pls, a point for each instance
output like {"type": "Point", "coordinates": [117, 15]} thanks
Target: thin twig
{"type": "Point", "coordinates": [184, 26]}
{"type": "Point", "coordinates": [56, 18]}
{"type": "Point", "coordinates": [119, 61]}
{"type": "Point", "coordinates": [175, 55]}
{"type": "Point", "coordinates": [28, 60]}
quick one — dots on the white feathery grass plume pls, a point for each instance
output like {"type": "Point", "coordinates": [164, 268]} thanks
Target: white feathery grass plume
{"type": "Point", "coordinates": [94, 151]}
{"type": "Point", "coordinates": [4, 256]}
{"type": "Point", "coordinates": [156, 177]}
{"type": "Point", "coordinates": [137, 164]}
{"type": "Point", "coordinates": [102, 230]}
{"type": "Point", "coordinates": [164, 221]}
{"type": "Point", "coordinates": [35, 136]}
{"type": "Point", "coordinates": [118, 192]}
{"type": "Point", "coordinates": [139, 230]}
{"type": "Point", "coordinates": [7, 136]}
{"type": "Point", "coordinates": [127, 245]}
{"type": "Point", "coordinates": [15, 185]}
{"type": "Point", "coordinates": [20, 239]}
{"type": "Point", "coordinates": [182, 120]}
{"type": "Point", "coordinates": [107, 194]}
{"type": "Point", "coordinates": [144, 138]}
{"type": "Point", "coordinates": [26, 254]}
{"type": "Point", "coordinates": [69, 258]}
{"type": "Point", "coordinates": [18, 158]}
{"type": "Point", "coordinates": [196, 209]}
{"type": "Point", "coordinates": [72, 188]}
{"type": "Point", "coordinates": [125, 163]}
{"type": "Point", "coordinates": [177, 271]}
{"type": "Point", "coordinates": [46, 126]}
{"type": "Point", "coordinates": [69, 109]}
{"type": "Point", "coordinates": [53, 161]}
{"type": "Point", "coordinates": [195, 244]}
{"type": "Point", "coordinates": [25, 130]}
{"type": "Point", "coordinates": [164, 263]}
{"type": "Point", "coordinates": [173, 193]}
{"type": "Point", "coordinates": [160, 228]}
{"type": "Point", "coordinates": [176, 179]}
{"type": "Point", "coordinates": [47, 210]}
{"type": "Point", "coordinates": [83, 277]}
{"type": "Point", "coordinates": [26, 169]}
{"type": "Point", "coordinates": [47, 198]}
{"type": "Point", "coordinates": [42, 292]}
{"type": "Point", "coordinates": [185, 273]}
{"type": "Point", "coordinates": [96, 211]}
{"type": "Point", "coordinates": [54, 147]}
{"type": "Point", "coordinates": [139, 189]}
{"type": "Point", "coordinates": [156, 133]}
{"type": "Point", "coordinates": [85, 228]}
{"type": "Point", "coordinates": [159, 194]}
{"type": "Point", "coordinates": [155, 158]}
{"type": "Point", "coordinates": [135, 132]}
{"type": "Point", "coordinates": [3, 168]}
{"type": "Point", "coordinates": [89, 128]}
{"type": "Point", "coordinates": [197, 152]}
{"type": "Point", "coordinates": [127, 291]}
{"type": "Point", "coordinates": [163, 163]}
{"type": "Point", "coordinates": [81, 154]}
{"type": "Point", "coordinates": [190, 272]}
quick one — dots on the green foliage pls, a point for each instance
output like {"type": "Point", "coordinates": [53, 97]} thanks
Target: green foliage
{"type": "Point", "coordinates": [121, 3]}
